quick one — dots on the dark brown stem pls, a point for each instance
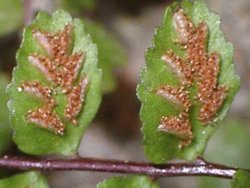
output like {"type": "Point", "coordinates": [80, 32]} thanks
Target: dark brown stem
{"type": "Point", "coordinates": [198, 168]}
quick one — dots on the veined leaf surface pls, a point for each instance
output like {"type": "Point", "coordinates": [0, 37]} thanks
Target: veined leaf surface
{"type": "Point", "coordinates": [170, 92]}
{"type": "Point", "coordinates": [56, 86]}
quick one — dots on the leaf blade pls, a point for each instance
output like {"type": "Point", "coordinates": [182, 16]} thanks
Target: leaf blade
{"type": "Point", "coordinates": [158, 146]}
{"type": "Point", "coordinates": [128, 182]}
{"type": "Point", "coordinates": [23, 180]}
{"type": "Point", "coordinates": [25, 134]}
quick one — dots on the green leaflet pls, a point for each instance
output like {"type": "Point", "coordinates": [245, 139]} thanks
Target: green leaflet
{"type": "Point", "coordinates": [128, 182]}
{"type": "Point", "coordinates": [25, 180]}
{"type": "Point", "coordinates": [111, 54]}
{"type": "Point", "coordinates": [11, 15]}
{"type": "Point", "coordinates": [161, 146]}
{"type": "Point", "coordinates": [241, 179]}
{"type": "Point", "coordinates": [5, 131]}
{"type": "Point", "coordinates": [59, 83]}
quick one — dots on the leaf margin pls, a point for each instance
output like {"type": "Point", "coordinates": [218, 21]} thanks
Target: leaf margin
{"type": "Point", "coordinates": [168, 141]}
{"type": "Point", "coordinates": [47, 142]}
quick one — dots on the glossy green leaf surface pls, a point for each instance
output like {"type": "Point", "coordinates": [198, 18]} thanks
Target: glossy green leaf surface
{"type": "Point", "coordinates": [128, 182]}
{"type": "Point", "coordinates": [161, 146]}
{"type": "Point", "coordinates": [111, 54]}
{"type": "Point", "coordinates": [241, 179]}
{"type": "Point", "coordinates": [35, 138]}
{"type": "Point", "coordinates": [5, 131]}
{"type": "Point", "coordinates": [25, 180]}
{"type": "Point", "coordinates": [11, 15]}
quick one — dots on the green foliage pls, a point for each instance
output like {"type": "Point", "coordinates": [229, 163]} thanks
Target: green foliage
{"type": "Point", "coordinates": [29, 137]}
{"type": "Point", "coordinates": [5, 131]}
{"type": "Point", "coordinates": [111, 55]}
{"type": "Point", "coordinates": [41, 88]}
{"type": "Point", "coordinates": [11, 15]}
{"type": "Point", "coordinates": [234, 137]}
{"type": "Point", "coordinates": [76, 6]}
{"type": "Point", "coordinates": [241, 179]}
{"type": "Point", "coordinates": [128, 182]}
{"type": "Point", "coordinates": [160, 146]}
{"type": "Point", "coordinates": [25, 180]}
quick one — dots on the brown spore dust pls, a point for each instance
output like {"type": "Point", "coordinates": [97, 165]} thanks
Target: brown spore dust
{"type": "Point", "coordinates": [46, 117]}
{"type": "Point", "coordinates": [76, 100]}
{"type": "Point", "coordinates": [61, 68]}
{"type": "Point", "coordinates": [197, 68]}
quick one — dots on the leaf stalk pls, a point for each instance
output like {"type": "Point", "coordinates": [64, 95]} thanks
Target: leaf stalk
{"type": "Point", "coordinates": [197, 168]}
